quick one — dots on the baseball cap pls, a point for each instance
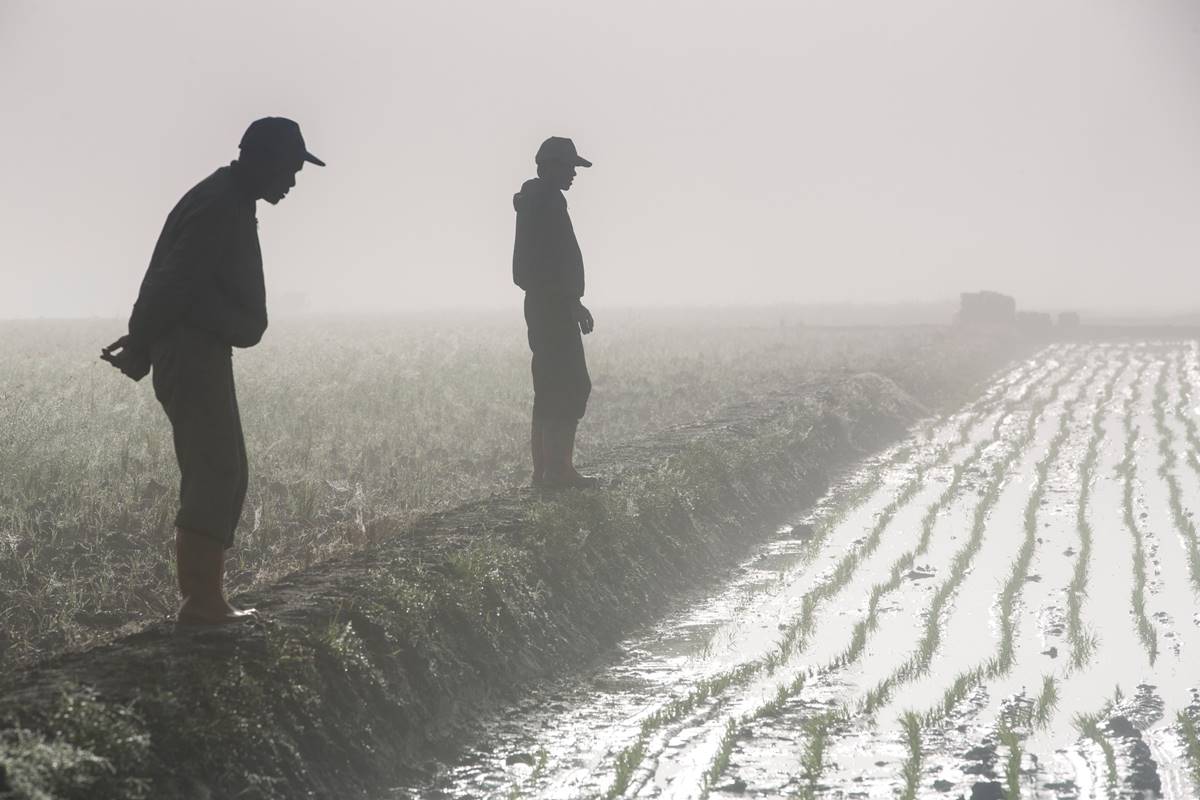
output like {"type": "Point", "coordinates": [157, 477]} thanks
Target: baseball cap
{"type": "Point", "coordinates": [279, 134]}
{"type": "Point", "coordinates": [557, 148]}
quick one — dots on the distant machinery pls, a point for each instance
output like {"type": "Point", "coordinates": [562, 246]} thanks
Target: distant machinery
{"type": "Point", "coordinates": [995, 310]}
{"type": "Point", "coordinates": [1036, 322]}
{"type": "Point", "coordinates": [987, 308]}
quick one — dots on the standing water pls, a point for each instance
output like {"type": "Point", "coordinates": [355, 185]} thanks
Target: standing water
{"type": "Point", "coordinates": [1001, 606]}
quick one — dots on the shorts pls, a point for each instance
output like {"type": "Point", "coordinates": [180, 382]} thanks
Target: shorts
{"type": "Point", "coordinates": [193, 379]}
{"type": "Point", "coordinates": [561, 384]}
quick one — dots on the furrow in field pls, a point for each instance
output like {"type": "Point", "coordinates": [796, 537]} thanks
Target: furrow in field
{"type": "Point", "coordinates": [989, 703]}
{"type": "Point", "coordinates": [901, 567]}
{"type": "Point", "coordinates": [1145, 629]}
{"type": "Point", "coordinates": [1186, 366]}
{"type": "Point", "coordinates": [962, 628]}
{"type": "Point", "coordinates": [796, 633]}
{"type": "Point", "coordinates": [1001, 661]}
{"type": "Point", "coordinates": [1081, 640]}
{"type": "Point", "coordinates": [1184, 527]}
{"type": "Point", "coordinates": [917, 663]}
{"type": "Point", "coordinates": [1064, 753]}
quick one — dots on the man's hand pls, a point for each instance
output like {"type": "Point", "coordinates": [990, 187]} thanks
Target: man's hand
{"type": "Point", "coordinates": [583, 318]}
{"type": "Point", "coordinates": [131, 361]}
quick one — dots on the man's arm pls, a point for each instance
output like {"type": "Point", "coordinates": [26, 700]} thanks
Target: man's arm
{"type": "Point", "coordinates": [169, 288]}
{"type": "Point", "coordinates": [218, 314]}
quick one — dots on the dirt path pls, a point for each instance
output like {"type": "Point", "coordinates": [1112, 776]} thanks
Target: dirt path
{"type": "Point", "coordinates": [1002, 605]}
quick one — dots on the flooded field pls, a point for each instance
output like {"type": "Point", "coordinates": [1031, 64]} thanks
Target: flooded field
{"type": "Point", "coordinates": [1004, 605]}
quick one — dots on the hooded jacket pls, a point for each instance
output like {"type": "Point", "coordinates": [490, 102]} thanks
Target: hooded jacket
{"type": "Point", "coordinates": [546, 256]}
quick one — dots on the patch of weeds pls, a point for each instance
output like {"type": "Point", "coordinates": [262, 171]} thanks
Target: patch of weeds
{"type": "Point", "coordinates": [720, 761]}
{"type": "Point", "coordinates": [1191, 745]}
{"type": "Point", "coordinates": [912, 765]}
{"type": "Point", "coordinates": [1047, 701]}
{"type": "Point", "coordinates": [812, 764]}
{"type": "Point", "coordinates": [96, 749]}
{"type": "Point", "coordinates": [626, 764]}
{"type": "Point", "coordinates": [1088, 726]}
{"type": "Point", "coordinates": [1012, 763]}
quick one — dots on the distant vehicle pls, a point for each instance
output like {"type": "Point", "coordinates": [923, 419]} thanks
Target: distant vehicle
{"type": "Point", "coordinates": [987, 308]}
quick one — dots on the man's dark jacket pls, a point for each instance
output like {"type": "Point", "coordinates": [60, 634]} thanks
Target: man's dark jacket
{"type": "Point", "coordinates": [206, 270]}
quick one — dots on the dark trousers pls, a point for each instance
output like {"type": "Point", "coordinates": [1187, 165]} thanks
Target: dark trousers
{"type": "Point", "coordinates": [561, 384]}
{"type": "Point", "coordinates": [193, 379]}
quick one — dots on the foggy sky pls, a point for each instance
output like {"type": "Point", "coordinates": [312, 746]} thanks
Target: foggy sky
{"type": "Point", "coordinates": [745, 152]}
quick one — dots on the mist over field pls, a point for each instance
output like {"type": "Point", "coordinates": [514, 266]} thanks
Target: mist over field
{"type": "Point", "coordinates": [746, 153]}
{"type": "Point", "coordinates": [840, 436]}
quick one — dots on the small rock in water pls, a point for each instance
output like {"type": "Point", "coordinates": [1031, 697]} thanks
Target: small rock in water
{"type": "Point", "coordinates": [1052, 652]}
{"type": "Point", "coordinates": [943, 785]}
{"type": "Point", "coordinates": [1121, 726]}
{"type": "Point", "coordinates": [520, 758]}
{"type": "Point", "coordinates": [804, 531]}
{"type": "Point", "coordinates": [987, 790]}
{"type": "Point", "coordinates": [1070, 551]}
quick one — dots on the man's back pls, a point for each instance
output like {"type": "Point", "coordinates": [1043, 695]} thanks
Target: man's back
{"type": "Point", "coordinates": [207, 255]}
{"type": "Point", "coordinates": [546, 255]}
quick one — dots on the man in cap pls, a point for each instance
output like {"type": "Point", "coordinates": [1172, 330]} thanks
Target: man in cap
{"type": "Point", "coordinates": [202, 295]}
{"type": "Point", "coordinates": [548, 265]}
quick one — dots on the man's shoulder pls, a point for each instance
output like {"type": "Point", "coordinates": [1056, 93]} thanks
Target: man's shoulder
{"type": "Point", "coordinates": [537, 194]}
{"type": "Point", "coordinates": [216, 196]}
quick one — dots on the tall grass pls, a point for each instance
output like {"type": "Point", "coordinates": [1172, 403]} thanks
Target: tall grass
{"type": "Point", "coordinates": [354, 429]}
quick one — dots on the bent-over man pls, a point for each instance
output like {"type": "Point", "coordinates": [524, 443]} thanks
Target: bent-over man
{"type": "Point", "coordinates": [548, 265]}
{"type": "Point", "coordinates": [203, 294]}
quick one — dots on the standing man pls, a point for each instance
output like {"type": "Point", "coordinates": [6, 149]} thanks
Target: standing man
{"type": "Point", "coordinates": [203, 294]}
{"type": "Point", "coordinates": [548, 265]}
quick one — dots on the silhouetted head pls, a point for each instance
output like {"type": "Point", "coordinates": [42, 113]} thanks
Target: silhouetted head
{"type": "Point", "coordinates": [272, 152]}
{"type": "Point", "coordinates": [556, 160]}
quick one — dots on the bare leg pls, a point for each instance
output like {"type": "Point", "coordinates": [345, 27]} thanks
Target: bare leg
{"type": "Point", "coordinates": [200, 564]}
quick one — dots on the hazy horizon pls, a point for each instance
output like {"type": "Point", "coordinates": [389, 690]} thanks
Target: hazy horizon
{"type": "Point", "coordinates": [746, 154]}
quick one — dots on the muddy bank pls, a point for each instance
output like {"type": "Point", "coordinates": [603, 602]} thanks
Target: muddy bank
{"type": "Point", "coordinates": [365, 667]}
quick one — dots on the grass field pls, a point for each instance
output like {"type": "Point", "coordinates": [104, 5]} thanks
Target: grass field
{"type": "Point", "coordinates": [354, 427]}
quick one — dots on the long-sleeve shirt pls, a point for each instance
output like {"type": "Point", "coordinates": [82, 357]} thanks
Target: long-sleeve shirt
{"type": "Point", "coordinates": [206, 270]}
{"type": "Point", "coordinates": [546, 256]}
